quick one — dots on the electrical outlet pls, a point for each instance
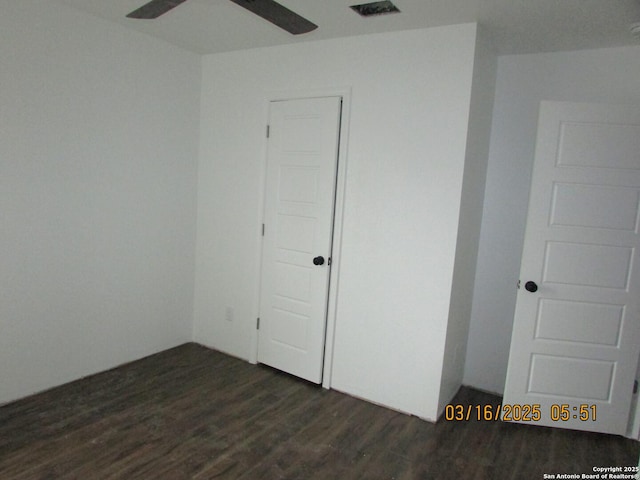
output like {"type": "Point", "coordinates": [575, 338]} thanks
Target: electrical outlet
{"type": "Point", "coordinates": [228, 314]}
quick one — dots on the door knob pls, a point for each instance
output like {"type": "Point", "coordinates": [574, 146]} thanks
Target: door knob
{"type": "Point", "coordinates": [531, 287]}
{"type": "Point", "coordinates": [318, 261]}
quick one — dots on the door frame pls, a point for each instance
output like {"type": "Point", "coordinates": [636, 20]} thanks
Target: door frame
{"type": "Point", "coordinates": [338, 217]}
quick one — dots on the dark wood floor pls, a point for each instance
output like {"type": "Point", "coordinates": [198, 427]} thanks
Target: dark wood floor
{"type": "Point", "coordinates": [192, 413]}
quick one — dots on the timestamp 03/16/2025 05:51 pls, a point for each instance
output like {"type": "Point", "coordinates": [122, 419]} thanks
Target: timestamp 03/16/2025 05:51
{"type": "Point", "coordinates": [561, 412]}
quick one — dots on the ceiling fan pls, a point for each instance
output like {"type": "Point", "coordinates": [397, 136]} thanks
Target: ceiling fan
{"type": "Point", "coordinates": [268, 9]}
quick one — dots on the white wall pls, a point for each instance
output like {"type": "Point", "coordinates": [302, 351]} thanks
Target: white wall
{"type": "Point", "coordinates": [475, 171]}
{"type": "Point", "coordinates": [408, 131]}
{"type": "Point", "coordinates": [606, 75]}
{"type": "Point", "coordinates": [98, 150]}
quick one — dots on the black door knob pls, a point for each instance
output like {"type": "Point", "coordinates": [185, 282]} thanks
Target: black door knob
{"type": "Point", "coordinates": [531, 287]}
{"type": "Point", "coordinates": [318, 261]}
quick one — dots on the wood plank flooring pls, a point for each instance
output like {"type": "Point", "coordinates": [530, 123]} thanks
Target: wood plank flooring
{"type": "Point", "coordinates": [193, 413]}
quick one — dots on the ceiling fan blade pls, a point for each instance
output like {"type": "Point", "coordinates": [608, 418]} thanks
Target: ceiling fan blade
{"type": "Point", "coordinates": [278, 15]}
{"type": "Point", "coordinates": [154, 9]}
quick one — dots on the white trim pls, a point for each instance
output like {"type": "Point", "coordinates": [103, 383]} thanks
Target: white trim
{"type": "Point", "coordinates": [336, 252]}
{"type": "Point", "coordinates": [341, 181]}
{"type": "Point", "coordinates": [253, 354]}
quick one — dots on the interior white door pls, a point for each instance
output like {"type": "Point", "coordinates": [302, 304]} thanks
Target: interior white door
{"type": "Point", "coordinates": [299, 209]}
{"type": "Point", "coordinates": [576, 339]}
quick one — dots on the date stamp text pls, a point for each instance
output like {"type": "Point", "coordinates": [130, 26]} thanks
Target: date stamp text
{"type": "Point", "coordinates": [525, 412]}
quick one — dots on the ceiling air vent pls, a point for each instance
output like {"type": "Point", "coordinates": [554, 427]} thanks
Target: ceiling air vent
{"type": "Point", "coordinates": [375, 8]}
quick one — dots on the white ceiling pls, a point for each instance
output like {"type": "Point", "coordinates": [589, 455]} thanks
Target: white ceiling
{"type": "Point", "coordinates": [517, 26]}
